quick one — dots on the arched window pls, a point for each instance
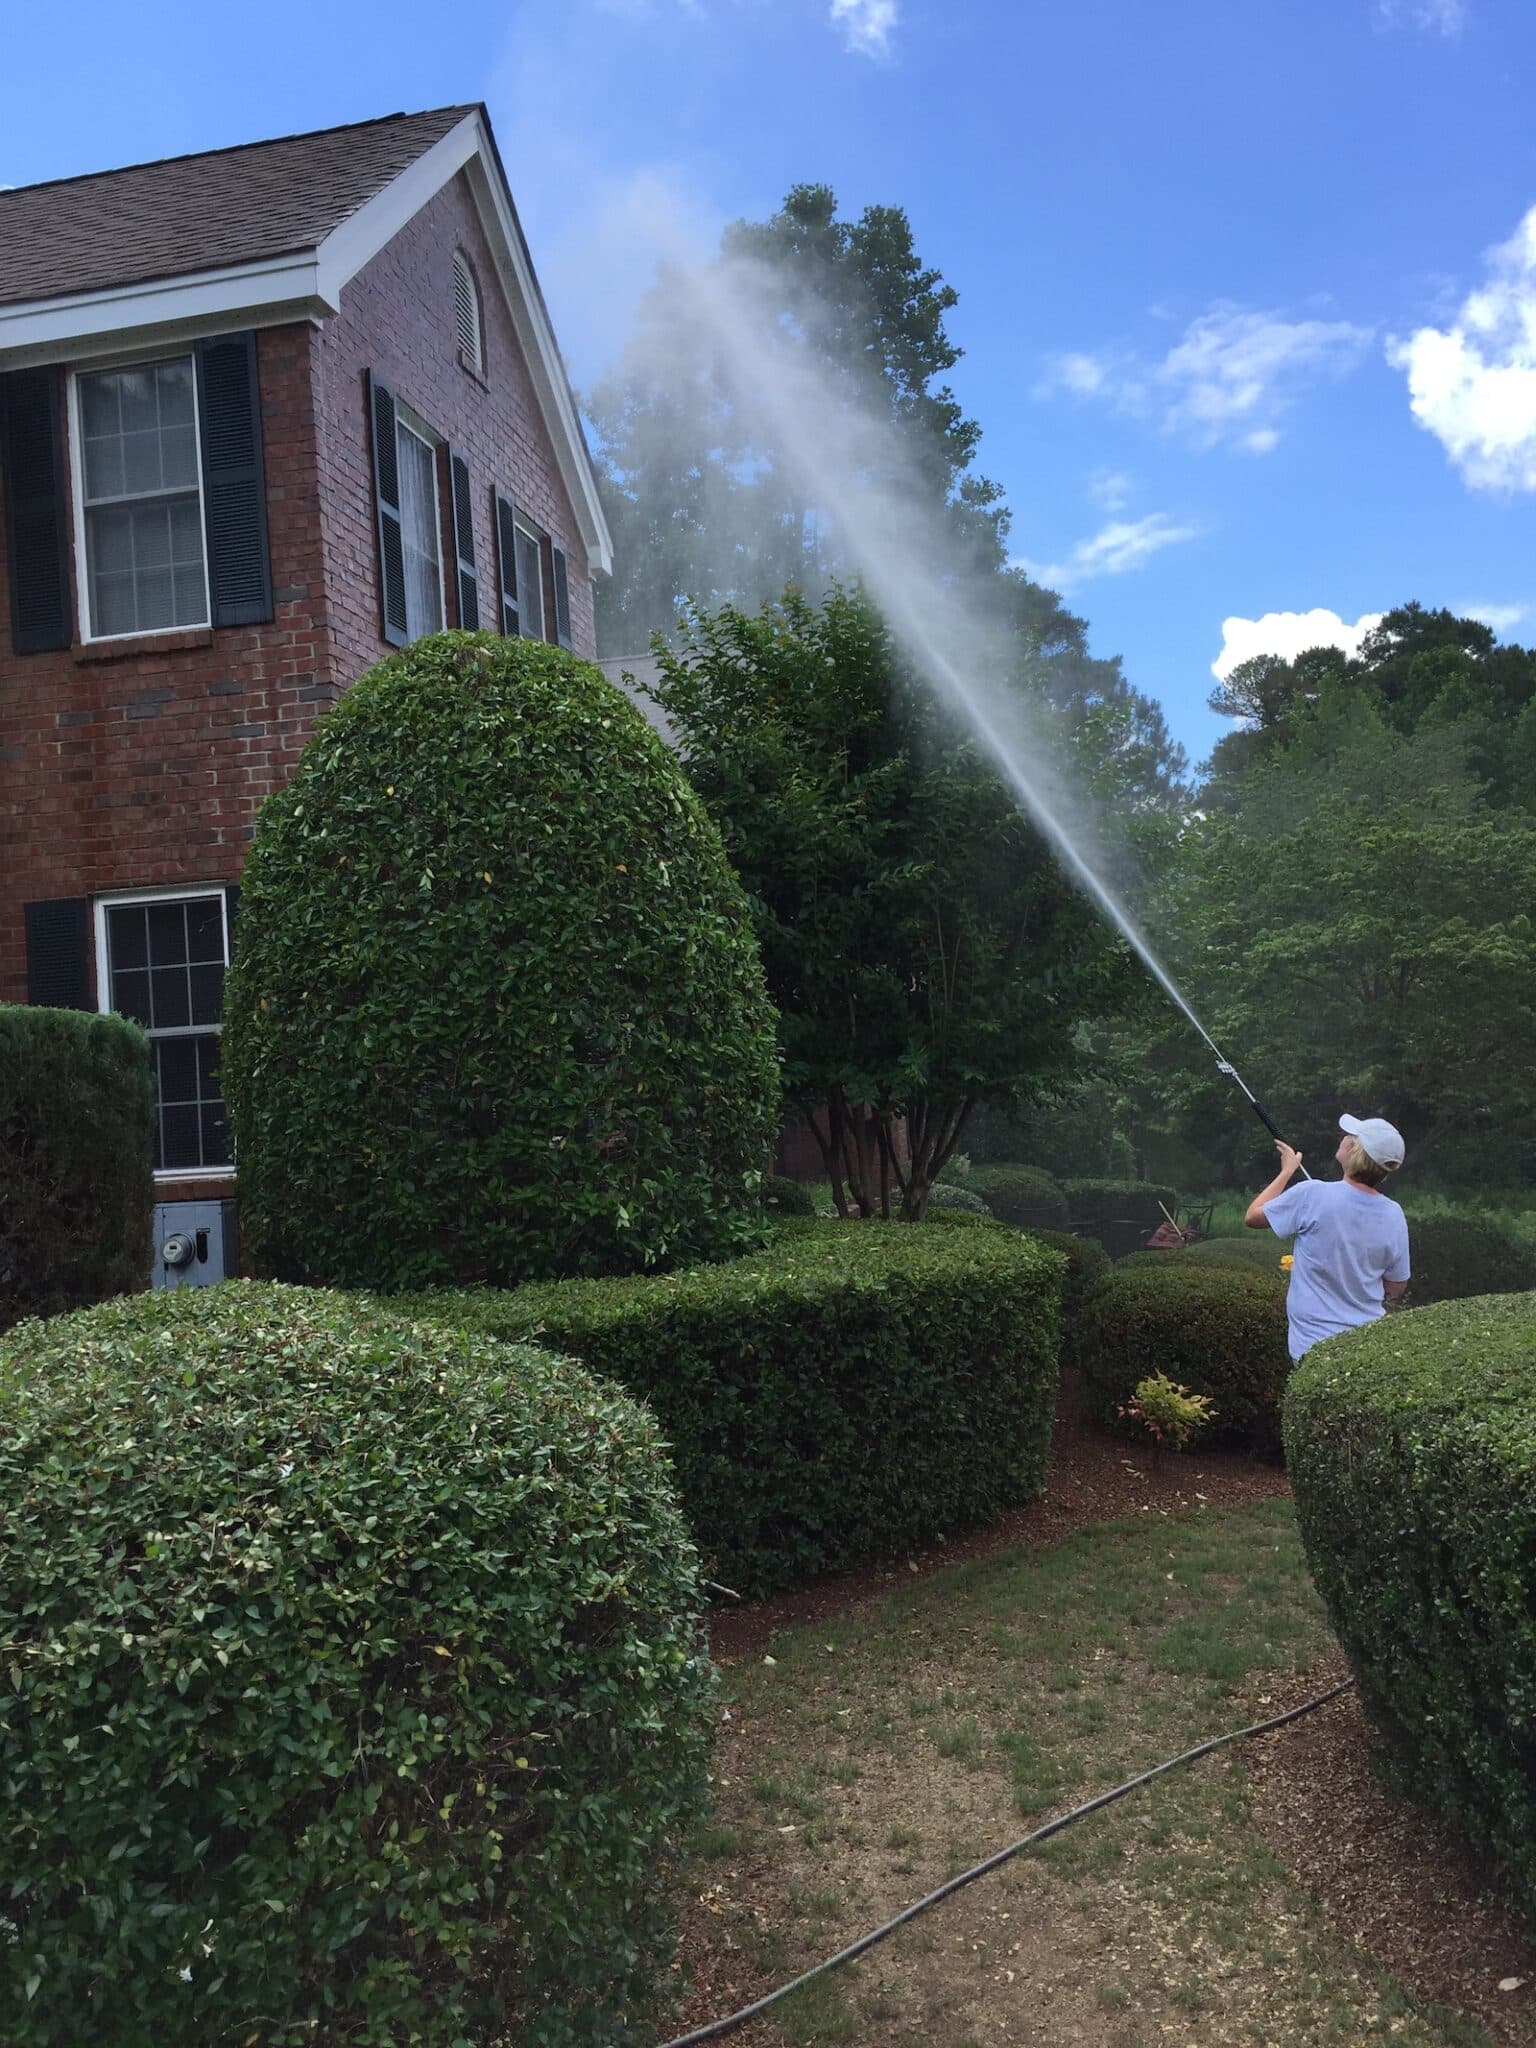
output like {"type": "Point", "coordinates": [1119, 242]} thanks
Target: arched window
{"type": "Point", "coordinates": [466, 314]}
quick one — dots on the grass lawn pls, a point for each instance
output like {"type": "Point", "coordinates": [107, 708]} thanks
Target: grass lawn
{"type": "Point", "coordinates": [865, 1761]}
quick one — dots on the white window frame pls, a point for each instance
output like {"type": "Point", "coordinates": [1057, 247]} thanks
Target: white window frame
{"type": "Point", "coordinates": [123, 899]}
{"type": "Point", "coordinates": [77, 481]}
{"type": "Point", "coordinates": [540, 544]}
{"type": "Point", "coordinates": [409, 421]}
{"type": "Point", "coordinates": [472, 360]}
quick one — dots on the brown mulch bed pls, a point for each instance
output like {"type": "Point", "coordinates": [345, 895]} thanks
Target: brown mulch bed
{"type": "Point", "coordinates": [1389, 1875]}
{"type": "Point", "coordinates": [1091, 1478]}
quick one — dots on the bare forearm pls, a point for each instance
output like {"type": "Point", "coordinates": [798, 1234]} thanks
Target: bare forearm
{"type": "Point", "coordinates": [1289, 1161]}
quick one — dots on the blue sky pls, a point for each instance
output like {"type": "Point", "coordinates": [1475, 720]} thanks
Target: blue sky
{"type": "Point", "coordinates": [1248, 300]}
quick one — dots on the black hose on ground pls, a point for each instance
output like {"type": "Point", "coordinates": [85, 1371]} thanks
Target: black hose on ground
{"type": "Point", "coordinates": [729, 2024]}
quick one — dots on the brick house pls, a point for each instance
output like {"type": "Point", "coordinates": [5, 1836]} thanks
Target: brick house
{"type": "Point", "coordinates": [264, 414]}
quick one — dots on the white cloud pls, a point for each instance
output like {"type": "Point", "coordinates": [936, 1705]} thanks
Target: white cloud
{"type": "Point", "coordinates": [1111, 488]}
{"type": "Point", "coordinates": [1232, 373]}
{"type": "Point", "coordinates": [1288, 634]}
{"type": "Point", "coordinates": [1435, 17]}
{"type": "Point", "coordinates": [1229, 379]}
{"type": "Point", "coordinates": [1473, 384]}
{"type": "Point", "coordinates": [1115, 548]}
{"type": "Point", "coordinates": [1501, 617]}
{"type": "Point", "coordinates": [866, 24]}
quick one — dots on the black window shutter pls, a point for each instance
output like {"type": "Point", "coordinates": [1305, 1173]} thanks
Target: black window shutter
{"type": "Point", "coordinates": [234, 481]}
{"type": "Point", "coordinates": [36, 523]}
{"type": "Point", "coordinates": [59, 953]}
{"type": "Point", "coordinates": [562, 596]}
{"type": "Point", "coordinates": [506, 562]}
{"type": "Point", "coordinates": [464, 542]}
{"type": "Point", "coordinates": [386, 498]}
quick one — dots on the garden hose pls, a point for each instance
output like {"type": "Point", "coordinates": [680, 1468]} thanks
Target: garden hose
{"type": "Point", "coordinates": [732, 2021]}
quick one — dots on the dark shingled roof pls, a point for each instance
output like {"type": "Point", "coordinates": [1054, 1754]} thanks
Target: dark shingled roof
{"type": "Point", "coordinates": [207, 212]}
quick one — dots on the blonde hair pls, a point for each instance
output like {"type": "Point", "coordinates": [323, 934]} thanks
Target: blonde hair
{"type": "Point", "coordinates": [1359, 1165]}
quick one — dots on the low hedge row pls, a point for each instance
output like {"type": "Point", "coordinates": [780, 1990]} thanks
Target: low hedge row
{"type": "Point", "coordinates": [1455, 1257]}
{"type": "Point", "coordinates": [1259, 1248]}
{"type": "Point", "coordinates": [853, 1390]}
{"type": "Point", "coordinates": [77, 1157]}
{"type": "Point", "coordinates": [965, 1201]}
{"type": "Point", "coordinates": [1087, 1264]}
{"type": "Point", "coordinates": [1021, 1195]}
{"type": "Point", "coordinates": [1215, 1327]}
{"type": "Point", "coordinates": [1411, 1446]}
{"type": "Point", "coordinates": [350, 1684]}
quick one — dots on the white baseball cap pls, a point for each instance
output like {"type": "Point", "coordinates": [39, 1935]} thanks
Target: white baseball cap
{"type": "Point", "coordinates": [1382, 1141]}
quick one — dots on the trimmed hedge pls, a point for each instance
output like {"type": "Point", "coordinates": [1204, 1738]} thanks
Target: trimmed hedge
{"type": "Point", "coordinates": [1213, 1326]}
{"type": "Point", "coordinates": [1411, 1445]}
{"type": "Point", "coordinates": [77, 1160]}
{"type": "Point", "coordinates": [1455, 1257]}
{"type": "Point", "coordinates": [964, 1200]}
{"type": "Point", "coordinates": [854, 1390]}
{"type": "Point", "coordinates": [972, 1218]}
{"type": "Point", "coordinates": [1087, 1264]}
{"type": "Point", "coordinates": [1119, 1213]}
{"type": "Point", "coordinates": [1021, 1195]}
{"type": "Point", "coordinates": [497, 1010]}
{"type": "Point", "coordinates": [350, 1686]}
{"type": "Point", "coordinates": [1259, 1248]}
{"type": "Point", "coordinates": [783, 1197]}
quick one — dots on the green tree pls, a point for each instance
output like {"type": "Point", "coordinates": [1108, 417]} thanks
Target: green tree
{"type": "Point", "coordinates": [700, 504]}
{"type": "Point", "coordinates": [921, 944]}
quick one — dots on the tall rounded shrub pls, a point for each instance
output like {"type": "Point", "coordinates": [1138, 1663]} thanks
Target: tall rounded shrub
{"type": "Point", "coordinates": [497, 1010]}
{"type": "Point", "coordinates": [1411, 1445]}
{"type": "Point", "coordinates": [1021, 1195]}
{"type": "Point", "coordinates": [350, 1688]}
{"type": "Point", "coordinates": [77, 1160]}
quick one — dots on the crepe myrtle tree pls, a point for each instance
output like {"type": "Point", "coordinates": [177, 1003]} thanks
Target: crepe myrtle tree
{"type": "Point", "coordinates": [923, 948]}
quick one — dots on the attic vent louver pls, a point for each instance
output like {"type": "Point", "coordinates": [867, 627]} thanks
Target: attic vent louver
{"type": "Point", "coordinates": [466, 313]}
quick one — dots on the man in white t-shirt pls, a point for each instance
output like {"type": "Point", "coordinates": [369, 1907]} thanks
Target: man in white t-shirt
{"type": "Point", "coordinates": [1351, 1250]}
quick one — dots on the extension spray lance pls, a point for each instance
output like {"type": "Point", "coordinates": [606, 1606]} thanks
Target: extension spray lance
{"type": "Point", "coordinates": [1225, 1066]}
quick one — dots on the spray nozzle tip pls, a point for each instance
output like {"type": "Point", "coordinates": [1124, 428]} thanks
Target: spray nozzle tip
{"type": "Point", "coordinates": [1226, 1067]}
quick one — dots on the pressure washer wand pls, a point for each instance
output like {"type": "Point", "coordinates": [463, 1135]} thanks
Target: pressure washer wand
{"type": "Point", "coordinates": [1225, 1066]}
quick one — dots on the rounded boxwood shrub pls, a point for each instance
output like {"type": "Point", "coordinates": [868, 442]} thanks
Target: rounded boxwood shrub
{"type": "Point", "coordinates": [1021, 1195]}
{"type": "Point", "coordinates": [1454, 1257]}
{"type": "Point", "coordinates": [853, 1390]}
{"type": "Point", "coordinates": [969, 1219]}
{"type": "Point", "coordinates": [783, 1197]}
{"type": "Point", "coordinates": [77, 1160]}
{"type": "Point", "coordinates": [1259, 1248]}
{"type": "Point", "coordinates": [1217, 1328]}
{"type": "Point", "coordinates": [1411, 1445]}
{"type": "Point", "coordinates": [496, 1009]}
{"type": "Point", "coordinates": [965, 1201]}
{"type": "Point", "coordinates": [350, 1686]}
{"type": "Point", "coordinates": [1087, 1264]}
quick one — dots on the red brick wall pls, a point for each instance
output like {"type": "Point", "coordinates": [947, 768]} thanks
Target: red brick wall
{"type": "Point", "coordinates": [130, 762]}
{"type": "Point", "coordinates": [397, 319]}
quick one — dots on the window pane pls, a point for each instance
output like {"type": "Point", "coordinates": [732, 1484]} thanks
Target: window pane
{"type": "Point", "coordinates": [530, 587]}
{"type": "Point", "coordinates": [112, 541]}
{"type": "Point", "coordinates": [168, 995]}
{"type": "Point", "coordinates": [136, 396]}
{"type": "Point", "coordinates": [151, 537]}
{"type": "Point", "coordinates": [127, 936]}
{"type": "Point", "coordinates": [176, 1059]}
{"type": "Point", "coordinates": [141, 463]}
{"type": "Point", "coordinates": [174, 390]}
{"type": "Point", "coordinates": [103, 468]}
{"type": "Point", "coordinates": [178, 456]}
{"type": "Point", "coordinates": [205, 929]}
{"type": "Point", "coordinates": [208, 1066]}
{"type": "Point", "coordinates": [181, 1137]}
{"type": "Point", "coordinates": [131, 551]}
{"type": "Point", "coordinates": [418, 530]}
{"type": "Point", "coordinates": [207, 994]}
{"type": "Point", "coordinates": [99, 412]}
{"type": "Point", "coordinates": [130, 994]}
{"type": "Point", "coordinates": [215, 1135]}
{"type": "Point", "coordinates": [167, 934]}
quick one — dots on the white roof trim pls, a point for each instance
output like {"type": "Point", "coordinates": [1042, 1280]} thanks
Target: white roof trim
{"type": "Point", "coordinates": [308, 285]}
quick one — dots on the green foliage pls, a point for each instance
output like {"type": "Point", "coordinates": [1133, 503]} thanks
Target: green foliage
{"type": "Point", "coordinates": [1168, 1412]}
{"type": "Point", "coordinates": [1119, 1213]}
{"type": "Point", "coordinates": [942, 1196]}
{"type": "Point", "coordinates": [971, 1218]}
{"type": "Point", "coordinates": [783, 1197]}
{"type": "Point", "coordinates": [496, 1010]}
{"type": "Point", "coordinates": [1021, 1195]}
{"type": "Point", "coordinates": [1411, 1445]}
{"type": "Point", "coordinates": [351, 1685]}
{"type": "Point", "coordinates": [921, 944]}
{"type": "Point", "coordinates": [1087, 1264]}
{"type": "Point", "coordinates": [77, 1158]}
{"type": "Point", "coordinates": [1453, 1257]}
{"type": "Point", "coordinates": [853, 1390]}
{"type": "Point", "coordinates": [1259, 1248]}
{"type": "Point", "coordinates": [1218, 1329]}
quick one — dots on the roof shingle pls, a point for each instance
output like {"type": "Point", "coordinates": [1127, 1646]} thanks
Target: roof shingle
{"type": "Point", "coordinates": [206, 212]}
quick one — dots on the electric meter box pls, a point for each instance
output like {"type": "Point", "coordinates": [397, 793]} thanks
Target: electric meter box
{"type": "Point", "coordinates": [196, 1244]}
